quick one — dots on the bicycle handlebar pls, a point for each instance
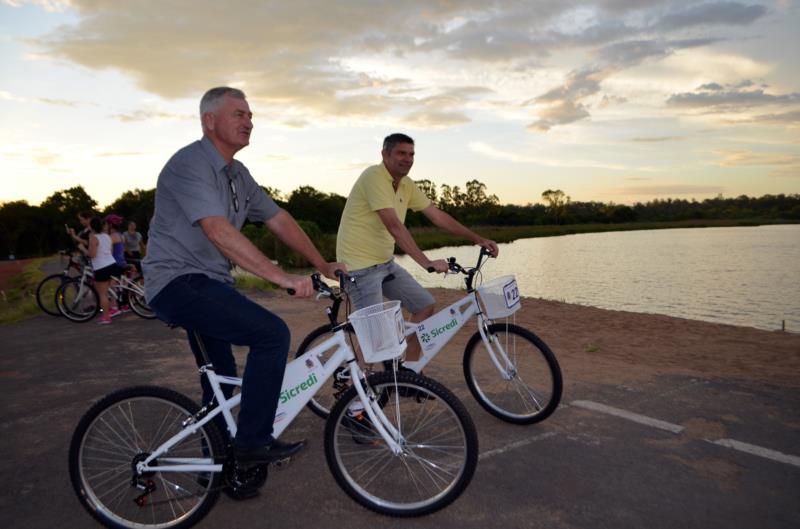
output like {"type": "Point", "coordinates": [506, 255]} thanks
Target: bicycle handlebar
{"type": "Point", "coordinates": [320, 286]}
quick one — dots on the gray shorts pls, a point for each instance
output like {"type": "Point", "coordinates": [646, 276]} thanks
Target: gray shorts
{"type": "Point", "coordinates": [391, 281]}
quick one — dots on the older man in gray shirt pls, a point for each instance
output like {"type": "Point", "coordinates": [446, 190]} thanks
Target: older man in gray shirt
{"type": "Point", "coordinates": [203, 198]}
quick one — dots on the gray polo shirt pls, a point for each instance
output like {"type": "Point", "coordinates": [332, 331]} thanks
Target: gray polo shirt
{"type": "Point", "coordinates": [192, 186]}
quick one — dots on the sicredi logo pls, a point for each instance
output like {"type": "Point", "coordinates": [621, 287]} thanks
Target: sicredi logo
{"type": "Point", "coordinates": [289, 394]}
{"type": "Point", "coordinates": [444, 328]}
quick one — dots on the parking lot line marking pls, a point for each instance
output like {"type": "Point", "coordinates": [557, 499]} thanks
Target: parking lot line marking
{"type": "Point", "coordinates": [758, 451]}
{"type": "Point", "coordinates": [517, 444]}
{"type": "Point", "coordinates": [635, 417]}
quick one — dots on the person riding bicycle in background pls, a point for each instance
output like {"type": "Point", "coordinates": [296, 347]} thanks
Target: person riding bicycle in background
{"type": "Point", "coordinates": [203, 197]}
{"type": "Point", "coordinates": [371, 224]}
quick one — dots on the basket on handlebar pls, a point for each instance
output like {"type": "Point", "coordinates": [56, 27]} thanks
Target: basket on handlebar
{"type": "Point", "coordinates": [380, 331]}
{"type": "Point", "coordinates": [500, 297]}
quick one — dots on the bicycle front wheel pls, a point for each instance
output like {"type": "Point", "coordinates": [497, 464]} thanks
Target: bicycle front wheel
{"type": "Point", "coordinates": [438, 440]}
{"type": "Point", "coordinates": [77, 300]}
{"type": "Point", "coordinates": [528, 389]}
{"type": "Point", "coordinates": [122, 430]}
{"type": "Point", "coordinates": [46, 293]}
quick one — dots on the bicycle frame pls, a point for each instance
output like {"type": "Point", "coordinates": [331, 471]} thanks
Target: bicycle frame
{"type": "Point", "coordinates": [303, 377]}
{"type": "Point", "coordinates": [437, 331]}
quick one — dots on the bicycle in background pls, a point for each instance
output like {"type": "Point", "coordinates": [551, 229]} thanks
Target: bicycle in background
{"type": "Point", "coordinates": [74, 265]}
{"type": "Point", "coordinates": [78, 300]}
{"type": "Point", "coordinates": [509, 370]}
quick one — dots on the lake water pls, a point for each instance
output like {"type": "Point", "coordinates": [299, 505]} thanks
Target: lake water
{"type": "Point", "coordinates": [741, 275]}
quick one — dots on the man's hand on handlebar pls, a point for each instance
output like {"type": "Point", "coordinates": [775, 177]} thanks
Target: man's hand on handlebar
{"type": "Point", "coordinates": [440, 266]}
{"type": "Point", "coordinates": [490, 246]}
{"type": "Point", "coordinates": [330, 270]}
{"type": "Point", "coordinates": [299, 286]}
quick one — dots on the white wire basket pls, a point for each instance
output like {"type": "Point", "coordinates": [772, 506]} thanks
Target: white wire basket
{"type": "Point", "coordinates": [500, 297]}
{"type": "Point", "coordinates": [380, 331]}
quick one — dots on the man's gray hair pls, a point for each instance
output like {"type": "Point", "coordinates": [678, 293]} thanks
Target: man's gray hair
{"type": "Point", "coordinates": [213, 98]}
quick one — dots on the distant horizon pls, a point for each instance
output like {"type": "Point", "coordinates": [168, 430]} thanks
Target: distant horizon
{"type": "Point", "coordinates": [461, 187]}
{"type": "Point", "coordinates": [622, 102]}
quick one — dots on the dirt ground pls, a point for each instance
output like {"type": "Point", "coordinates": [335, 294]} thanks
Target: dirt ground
{"type": "Point", "coordinates": [9, 269]}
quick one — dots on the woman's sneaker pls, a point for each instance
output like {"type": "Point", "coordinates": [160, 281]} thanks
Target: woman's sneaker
{"type": "Point", "coordinates": [113, 312]}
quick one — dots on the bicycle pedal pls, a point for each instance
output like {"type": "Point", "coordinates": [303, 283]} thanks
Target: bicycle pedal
{"type": "Point", "coordinates": [280, 464]}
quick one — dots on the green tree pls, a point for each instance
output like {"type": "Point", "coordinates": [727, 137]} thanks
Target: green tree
{"type": "Point", "coordinates": [137, 206]}
{"type": "Point", "coordinates": [557, 202]}
{"type": "Point", "coordinates": [429, 188]}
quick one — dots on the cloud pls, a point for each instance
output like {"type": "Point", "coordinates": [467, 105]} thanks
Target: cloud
{"type": "Point", "coordinates": [118, 154]}
{"type": "Point", "coordinates": [657, 139]}
{"type": "Point", "coordinates": [299, 60]}
{"type": "Point", "coordinates": [711, 14]}
{"type": "Point", "coordinates": [58, 102]}
{"type": "Point", "coordinates": [495, 153]}
{"type": "Point", "coordinates": [152, 115]}
{"type": "Point", "coordinates": [52, 6]}
{"type": "Point", "coordinates": [671, 190]}
{"type": "Point", "coordinates": [739, 158]}
{"type": "Point", "coordinates": [738, 97]}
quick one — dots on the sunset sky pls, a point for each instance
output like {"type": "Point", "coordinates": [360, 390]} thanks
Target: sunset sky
{"type": "Point", "coordinates": [612, 100]}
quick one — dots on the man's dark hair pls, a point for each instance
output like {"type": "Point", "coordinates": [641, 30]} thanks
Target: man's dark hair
{"type": "Point", "coordinates": [393, 139]}
{"type": "Point", "coordinates": [86, 214]}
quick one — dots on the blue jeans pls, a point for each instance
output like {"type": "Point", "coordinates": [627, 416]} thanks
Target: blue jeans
{"type": "Point", "coordinates": [223, 316]}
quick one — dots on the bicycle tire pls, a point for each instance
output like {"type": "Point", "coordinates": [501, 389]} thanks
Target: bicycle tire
{"type": "Point", "coordinates": [139, 305]}
{"type": "Point", "coordinates": [322, 402]}
{"type": "Point", "coordinates": [534, 390]}
{"type": "Point", "coordinates": [77, 301]}
{"type": "Point", "coordinates": [115, 433]}
{"type": "Point", "coordinates": [46, 293]}
{"type": "Point", "coordinates": [440, 448]}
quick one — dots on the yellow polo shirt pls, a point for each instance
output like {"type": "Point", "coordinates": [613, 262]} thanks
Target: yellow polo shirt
{"type": "Point", "coordinates": [363, 240]}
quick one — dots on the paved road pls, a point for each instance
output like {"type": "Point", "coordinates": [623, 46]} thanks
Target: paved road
{"type": "Point", "coordinates": [675, 452]}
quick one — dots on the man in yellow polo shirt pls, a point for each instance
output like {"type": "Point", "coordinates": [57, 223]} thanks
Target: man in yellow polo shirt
{"type": "Point", "coordinates": [371, 224]}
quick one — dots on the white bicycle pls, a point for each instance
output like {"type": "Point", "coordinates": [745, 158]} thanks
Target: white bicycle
{"type": "Point", "coordinates": [509, 370]}
{"type": "Point", "coordinates": [149, 457]}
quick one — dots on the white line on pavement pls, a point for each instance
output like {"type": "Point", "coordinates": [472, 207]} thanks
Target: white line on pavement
{"type": "Point", "coordinates": [758, 451]}
{"type": "Point", "coordinates": [517, 444]}
{"type": "Point", "coordinates": [635, 417]}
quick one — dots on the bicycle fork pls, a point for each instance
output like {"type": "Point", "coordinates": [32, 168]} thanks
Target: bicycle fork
{"type": "Point", "coordinates": [507, 372]}
{"type": "Point", "coordinates": [392, 436]}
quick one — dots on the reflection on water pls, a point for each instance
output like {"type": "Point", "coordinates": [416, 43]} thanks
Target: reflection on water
{"type": "Point", "coordinates": [741, 276]}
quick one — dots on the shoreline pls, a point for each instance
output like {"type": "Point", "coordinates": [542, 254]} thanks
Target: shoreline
{"type": "Point", "coordinates": [605, 345]}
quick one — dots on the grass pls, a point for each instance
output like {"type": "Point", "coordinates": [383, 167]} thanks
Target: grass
{"type": "Point", "coordinates": [19, 301]}
{"type": "Point", "coordinates": [246, 280]}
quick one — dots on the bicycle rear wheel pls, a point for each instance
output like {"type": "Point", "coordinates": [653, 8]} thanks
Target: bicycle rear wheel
{"type": "Point", "coordinates": [123, 429]}
{"type": "Point", "coordinates": [46, 293]}
{"type": "Point", "coordinates": [77, 300]}
{"type": "Point", "coordinates": [531, 388]}
{"type": "Point", "coordinates": [438, 439]}
{"type": "Point", "coordinates": [138, 303]}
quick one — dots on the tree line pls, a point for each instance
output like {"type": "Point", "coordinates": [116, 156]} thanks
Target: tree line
{"type": "Point", "coordinates": [28, 231]}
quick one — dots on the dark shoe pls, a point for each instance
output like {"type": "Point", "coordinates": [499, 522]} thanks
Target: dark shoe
{"type": "Point", "coordinates": [360, 427]}
{"type": "Point", "coordinates": [413, 393]}
{"type": "Point", "coordinates": [269, 453]}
